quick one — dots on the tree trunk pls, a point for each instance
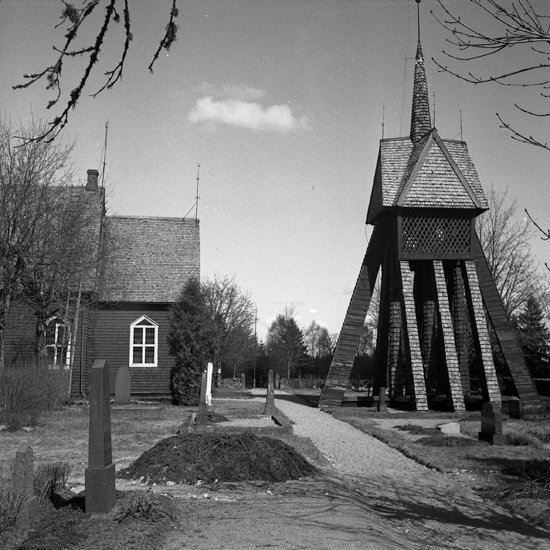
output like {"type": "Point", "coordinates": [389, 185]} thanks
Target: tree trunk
{"type": "Point", "coordinates": [40, 349]}
{"type": "Point", "coordinates": [3, 321]}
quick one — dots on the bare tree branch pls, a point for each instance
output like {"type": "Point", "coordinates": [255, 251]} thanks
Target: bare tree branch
{"type": "Point", "coordinates": [77, 18]}
{"type": "Point", "coordinates": [519, 25]}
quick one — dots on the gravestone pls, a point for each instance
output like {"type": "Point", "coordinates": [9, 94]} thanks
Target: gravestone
{"type": "Point", "coordinates": [123, 386]}
{"type": "Point", "coordinates": [209, 372]}
{"type": "Point", "coordinates": [99, 476]}
{"type": "Point", "coordinates": [381, 399]}
{"type": "Point", "coordinates": [270, 397]}
{"type": "Point", "coordinates": [491, 424]}
{"type": "Point", "coordinates": [23, 485]}
{"type": "Point", "coordinates": [515, 408]}
{"type": "Point", "coordinates": [203, 411]}
{"type": "Point", "coordinates": [243, 381]}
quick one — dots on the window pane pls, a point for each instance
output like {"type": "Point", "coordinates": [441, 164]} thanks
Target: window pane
{"type": "Point", "coordinates": [149, 354]}
{"type": "Point", "coordinates": [136, 358]}
{"type": "Point", "coordinates": [138, 336]}
{"type": "Point", "coordinates": [149, 335]}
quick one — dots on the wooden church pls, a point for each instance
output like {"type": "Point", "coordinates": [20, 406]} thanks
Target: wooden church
{"type": "Point", "coordinates": [437, 295]}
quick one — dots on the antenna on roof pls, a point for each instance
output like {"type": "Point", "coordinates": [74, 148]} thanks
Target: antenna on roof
{"type": "Point", "coordinates": [104, 154]}
{"type": "Point", "coordinates": [197, 197]}
{"type": "Point", "coordinates": [383, 119]}
{"type": "Point", "coordinates": [461, 138]}
{"type": "Point", "coordinates": [434, 110]}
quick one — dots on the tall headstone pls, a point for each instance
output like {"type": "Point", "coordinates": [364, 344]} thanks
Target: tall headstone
{"type": "Point", "coordinates": [123, 386]}
{"type": "Point", "coordinates": [203, 410]}
{"type": "Point", "coordinates": [270, 397]}
{"type": "Point", "coordinates": [491, 424]}
{"type": "Point", "coordinates": [209, 371]}
{"type": "Point", "coordinates": [381, 399]}
{"type": "Point", "coordinates": [23, 485]}
{"type": "Point", "coordinates": [100, 474]}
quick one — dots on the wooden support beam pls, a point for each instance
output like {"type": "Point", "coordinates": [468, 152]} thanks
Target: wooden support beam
{"type": "Point", "coordinates": [411, 338]}
{"type": "Point", "coordinates": [348, 341]}
{"type": "Point", "coordinates": [491, 390]}
{"type": "Point", "coordinates": [511, 351]}
{"type": "Point", "coordinates": [451, 358]}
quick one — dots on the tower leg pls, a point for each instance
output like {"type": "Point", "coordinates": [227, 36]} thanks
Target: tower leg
{"type": "Point", "coordinates": [490, 389]}
{"type": "Point", "coordinates": [451, 359]}
{"type": "Point", "coordinates": [348, 341]}
{"type": "Point", "coordinates": [411, 338]}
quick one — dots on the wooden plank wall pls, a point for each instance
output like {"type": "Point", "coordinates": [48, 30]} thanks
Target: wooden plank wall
{"type": "Point", "coordinates": [523, 382]}
{"type": "Point", "coordinates": [111, 341]}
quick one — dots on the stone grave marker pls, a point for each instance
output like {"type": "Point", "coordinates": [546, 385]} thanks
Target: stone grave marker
{"type": "Point", "coordinates": [209, 371]}
{"type": "Point", "coordinates": [123, 386]}
{"type": "Point", "coordinates": [203, 411]}
{"type": "Point", "coordinates": [515, 408]}
{"type": "Point", "coordinates": [23, 484]}
{"type": "Point", "coordinates": [243, 381]}
{"type": "Point", "coordinates": [381, 399]}
{"type": "Point", "coordinates": [491, 424]}
{"type": "Point", "coordinates": [99, 476]}
{"type": "Point", "coordinates": [270, 397]}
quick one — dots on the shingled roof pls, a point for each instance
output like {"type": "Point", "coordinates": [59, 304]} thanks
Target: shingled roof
{"type": "Point", "coordinates": [436, 173]}
{"type": "Point", "coordinates": [150, 259]}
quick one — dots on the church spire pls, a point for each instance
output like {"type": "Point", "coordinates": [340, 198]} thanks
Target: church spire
{"type": "Point", "coordinates": [420, 117]}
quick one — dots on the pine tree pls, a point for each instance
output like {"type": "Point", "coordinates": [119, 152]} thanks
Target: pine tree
{"type": "Point", "coordinates": [534, 338]}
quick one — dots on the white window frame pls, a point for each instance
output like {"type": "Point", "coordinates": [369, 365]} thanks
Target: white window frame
{"type": "Point", "coordinates": [57, 345]}
{"type": "Point", "coordinates": [143, 345]}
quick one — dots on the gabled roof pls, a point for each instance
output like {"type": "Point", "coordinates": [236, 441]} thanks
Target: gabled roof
{"type": "Point", "coordinates": [149, 259]}
{"type": "Point", "coordinates": [435, 173]}
{"type": "Point", "coordinates": [434, 180]}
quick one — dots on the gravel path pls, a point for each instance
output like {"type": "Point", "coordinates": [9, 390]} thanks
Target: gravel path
{"type": "Point", "coordinates": [417, 507]}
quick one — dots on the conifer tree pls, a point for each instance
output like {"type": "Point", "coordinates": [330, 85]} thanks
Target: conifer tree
{"type": "Point", "coordinates": [534, 338]}
{"type": "Point", "coordinates": [192, 340]}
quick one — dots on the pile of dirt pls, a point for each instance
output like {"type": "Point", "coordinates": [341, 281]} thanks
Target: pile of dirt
{"type": "Point", "coordinates": [219, 457]}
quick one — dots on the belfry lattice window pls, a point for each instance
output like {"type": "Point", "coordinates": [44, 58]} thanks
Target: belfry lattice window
{"type": "Point", "coordinates": [433, 233]}
{"type": "Point", "coordinates": [143, 343]}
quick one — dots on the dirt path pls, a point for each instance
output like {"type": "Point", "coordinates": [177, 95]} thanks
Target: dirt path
{"type": "Point", "coordinates": [373, 498]}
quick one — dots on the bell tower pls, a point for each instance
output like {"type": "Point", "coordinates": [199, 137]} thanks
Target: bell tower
{"type": "Point", "coordinates": [437, 294]}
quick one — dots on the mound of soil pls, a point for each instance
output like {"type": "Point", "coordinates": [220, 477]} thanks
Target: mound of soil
{"type": "Point", "coordinates": [219, 457]}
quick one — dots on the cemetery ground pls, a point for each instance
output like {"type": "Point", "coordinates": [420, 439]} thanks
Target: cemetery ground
{"type": "Point", "coordinates": [386, 480]}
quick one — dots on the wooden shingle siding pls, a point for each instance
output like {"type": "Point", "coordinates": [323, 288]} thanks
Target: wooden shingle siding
{"type": "Point", "coordinates": [449, 344]}
{"type": "Point", "coordinates": [491, 391]}
{"type": "Point", "coordinates": [412, 339]}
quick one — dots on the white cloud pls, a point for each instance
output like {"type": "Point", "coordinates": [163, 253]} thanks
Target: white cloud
{"type": "Point", "coordinates": [245, 114]}
{"type": "Point", "coordinates": [313, 311]}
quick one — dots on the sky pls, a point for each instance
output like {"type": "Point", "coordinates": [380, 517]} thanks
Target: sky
{"type": "Point", "coordinates": [283, 104]}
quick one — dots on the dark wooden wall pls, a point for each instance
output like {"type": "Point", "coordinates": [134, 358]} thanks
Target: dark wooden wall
{"type": "Point", "coordinates": [111, 341]}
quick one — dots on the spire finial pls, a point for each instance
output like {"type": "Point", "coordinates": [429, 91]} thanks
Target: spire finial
{"type": "Point", "coordinates": [420, 118]}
